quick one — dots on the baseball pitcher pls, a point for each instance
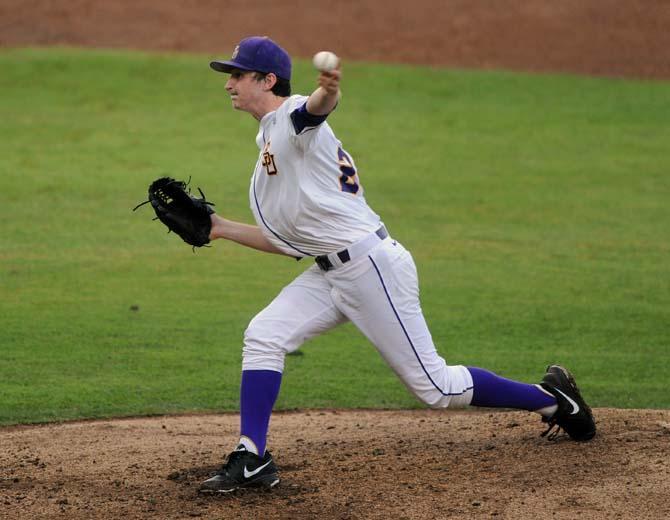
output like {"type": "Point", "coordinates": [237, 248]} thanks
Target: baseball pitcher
{"type": "Point", "coordinates": [308, 202]}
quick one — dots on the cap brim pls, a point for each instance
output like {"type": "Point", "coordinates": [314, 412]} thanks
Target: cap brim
{"type": "Point", "coordinates": [227, 66]}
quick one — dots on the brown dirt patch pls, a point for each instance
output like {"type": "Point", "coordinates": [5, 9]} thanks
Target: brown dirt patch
{"type": "Point", "coordinates": [333, 464]}
{"type": "Point", "coordinates": [604, 37]}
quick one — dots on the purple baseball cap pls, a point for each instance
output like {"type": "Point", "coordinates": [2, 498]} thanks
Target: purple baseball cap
{"type": "Point", "coordinates": [260, 54]}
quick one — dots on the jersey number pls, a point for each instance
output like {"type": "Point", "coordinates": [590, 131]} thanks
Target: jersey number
{"type": "Point", "coordinates": [349, 178]}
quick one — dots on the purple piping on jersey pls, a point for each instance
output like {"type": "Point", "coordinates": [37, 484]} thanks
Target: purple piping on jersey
{"type": "Point", "coordinates": [258, 207]}
{"type": "Point", "coordinates": [301, 119]}
{"type": "Point", "coordinates": [388, 296]}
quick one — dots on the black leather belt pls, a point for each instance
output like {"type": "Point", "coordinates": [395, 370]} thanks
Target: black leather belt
{"type": "Point", "coordinates": [326, 265]}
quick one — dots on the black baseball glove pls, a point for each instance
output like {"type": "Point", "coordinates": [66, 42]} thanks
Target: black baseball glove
{"type": "Point", "coordinates": [181, 212]}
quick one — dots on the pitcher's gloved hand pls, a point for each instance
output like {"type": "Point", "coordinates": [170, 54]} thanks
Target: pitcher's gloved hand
{"type": "Point", "coordinates": [181, 212]}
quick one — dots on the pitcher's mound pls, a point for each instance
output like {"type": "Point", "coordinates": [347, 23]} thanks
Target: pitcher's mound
{"type": "Point", "coordinates": [337, 464]}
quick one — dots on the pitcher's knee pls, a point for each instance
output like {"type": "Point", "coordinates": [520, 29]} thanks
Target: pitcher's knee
{"type": "Point", "coordinates": [262, 351]}
{"type": "Point", "coordinates": [450, 387]}
{"type": "Point", "coordinates": [436, 399]}
{"type": "Point", "coordinates": [433, 399]}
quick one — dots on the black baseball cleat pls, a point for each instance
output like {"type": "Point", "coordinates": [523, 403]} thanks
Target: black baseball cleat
{"type": "Point", "coordinates": [573, 415]}
{"type": "Point", "coordinates": [243, 470]}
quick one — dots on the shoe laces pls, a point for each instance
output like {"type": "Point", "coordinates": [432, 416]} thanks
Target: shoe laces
{"type": "Point", "coordinates": [233, 459]}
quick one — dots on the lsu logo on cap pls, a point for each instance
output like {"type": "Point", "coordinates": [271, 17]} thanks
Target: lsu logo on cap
{"type": "Point", "coordinates": [236, 52]}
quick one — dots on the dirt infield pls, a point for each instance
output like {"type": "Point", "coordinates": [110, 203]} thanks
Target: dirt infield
{"type": "Point", "coordinates": [354, 464]}
{"type": "Point", "coordinates": [605, 37]}
{"type": "Point", "coordinates": [343, 465]}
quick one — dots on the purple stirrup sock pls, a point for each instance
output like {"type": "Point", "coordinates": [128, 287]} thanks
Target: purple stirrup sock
{"type": "Point", "coordinates": [258, 393]}
{"type": "Point", "coordinates": [497, 392]}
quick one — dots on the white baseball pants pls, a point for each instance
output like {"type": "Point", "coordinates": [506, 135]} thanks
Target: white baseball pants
{"type": "Point", "coordinates": [378, 291]}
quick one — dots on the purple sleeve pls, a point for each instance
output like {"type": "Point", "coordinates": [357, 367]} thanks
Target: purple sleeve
{"type": "Point", "coordinates": [302, 119]}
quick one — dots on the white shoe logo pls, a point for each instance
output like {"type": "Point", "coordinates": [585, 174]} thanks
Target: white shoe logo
{"type": "Point", "coordinates": [575, 406]}
{"type": "Point", "coordinates": [248, 474]}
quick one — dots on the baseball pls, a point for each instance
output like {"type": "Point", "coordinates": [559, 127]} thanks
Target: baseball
{"type": "Point", "coordinates": [325, 61]}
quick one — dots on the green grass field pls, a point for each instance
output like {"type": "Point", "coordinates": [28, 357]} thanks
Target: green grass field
{"type": "Point", "coordinates": [537, 209]}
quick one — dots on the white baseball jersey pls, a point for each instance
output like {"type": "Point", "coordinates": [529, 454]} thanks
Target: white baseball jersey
{"type": "Point", "coordinates": [305, 193]}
